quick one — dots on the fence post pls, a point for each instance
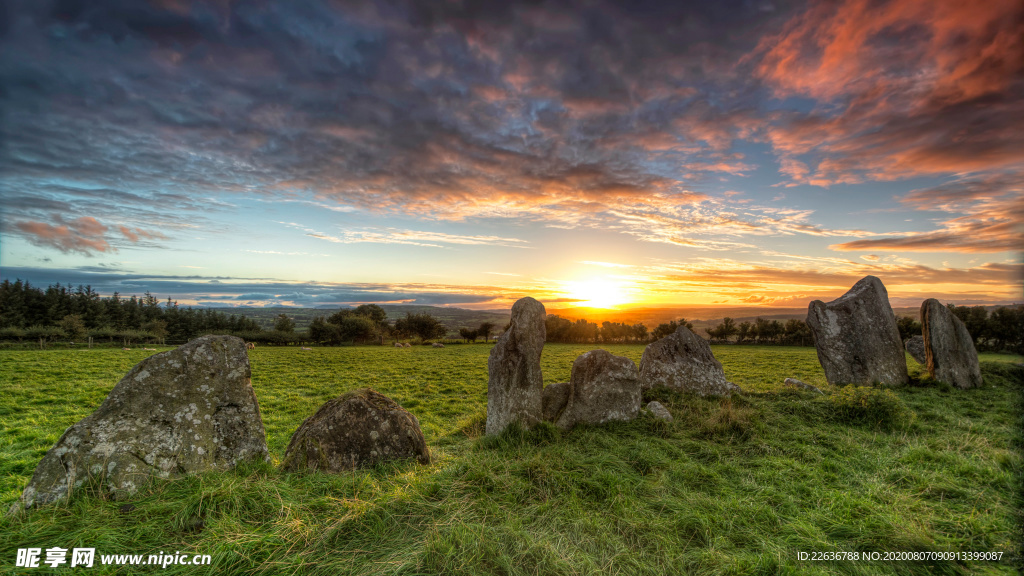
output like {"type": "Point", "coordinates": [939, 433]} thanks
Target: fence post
{"type": "Point", "coordinates": [90, 341]}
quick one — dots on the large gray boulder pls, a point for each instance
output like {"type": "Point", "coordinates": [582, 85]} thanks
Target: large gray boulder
{"type": "Point", "coordinates": [554, 399]}
{"type": "Point", "coordinates": [915, 346]}
{"type": "Point", "coordinates": [856, 336]}
{"type": "Point", "coordinates": [602, 388]}
{"type": "Point", "coordinates": [515, 382]}
{"type": "Point", "coordinates": [683, 360]}
{"type": "Point", "coordinates": [949, 350]}
{"type": "Point", "coordinates": [355, 430]}
{"type": "Point", "coordinates": [184, 411]}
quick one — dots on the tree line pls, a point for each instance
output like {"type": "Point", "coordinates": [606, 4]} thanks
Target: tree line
{"type": "Point", "coordinates": [761, 331]}
{"type": "Point", "coordinates": [67, 313]}
{"type": "Point", "coordinates": [28, 313]}
{"type": "Point", "coordinates": [70, 313]}
{"type": "Point", "coordinates": [998, 331]}
{"type": "Point", "coordinates": [368, 323]}
{"type": "Point", "coordinates": [794, 332]}
{"type": "Point", "coordinates": [582, 330]}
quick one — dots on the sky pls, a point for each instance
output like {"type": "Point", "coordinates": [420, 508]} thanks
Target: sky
{"type": "Point", "coordinates": [469, 153]}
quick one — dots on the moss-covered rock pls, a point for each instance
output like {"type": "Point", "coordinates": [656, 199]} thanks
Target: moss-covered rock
{"type": "Point", "coordinates": [684, 361]}
{"type": "Point", "coordinates": [602, 388]}
{"type": "Point", "coordinates": [515, 383]}
{"type": "Point", "coordinates": [184, 411]}
{"type": "Point", "coordinates": [857, 338]}
{"type": "Point", "coordinates": [356, 430]}
{"type": "Point", "coordinates": [949, 350]}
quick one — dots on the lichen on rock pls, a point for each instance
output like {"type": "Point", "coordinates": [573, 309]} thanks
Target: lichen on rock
{"type": "Point", "coordinates": [184, 411]}
{"type": "Point", "coordinates": [515, 381]}
{"type": "Point", "coordinates": [950, 355]}
{"type": "Point", "coordinates": [602, 388]}
{"type": "Point", "coordinates": [684, 361]}
{"type": "Point", "coordinates": [356, 430]}
{"type": "Point", "coordinates": [856, 337]}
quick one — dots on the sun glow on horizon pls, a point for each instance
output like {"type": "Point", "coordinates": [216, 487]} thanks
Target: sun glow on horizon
{"type": "Point", "coordinates": [598, 293]}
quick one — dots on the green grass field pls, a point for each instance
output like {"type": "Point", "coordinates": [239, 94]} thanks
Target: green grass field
{"type": "Point", "coordinates": [734, 486]}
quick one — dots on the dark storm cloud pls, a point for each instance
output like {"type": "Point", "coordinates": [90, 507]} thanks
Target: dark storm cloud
{"type": "Point", "coordinates": [228, 291]}
{"type": "Point", "coordinates": [387, 106]}
{"type": "Point", "coordinates": [136, 113]}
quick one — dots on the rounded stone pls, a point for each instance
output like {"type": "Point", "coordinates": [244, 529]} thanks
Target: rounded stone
{"type": "Point", "coordinates": [356, 430]}
{"type": "Point", "coordinates": [683, 361]}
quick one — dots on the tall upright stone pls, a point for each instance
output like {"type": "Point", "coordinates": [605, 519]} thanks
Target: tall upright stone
{"type": "Point", "coordinates": [184, 411]}
{"type": "Point", "coordinates": [515, 383]}
{"type": "Point", "coordinates": [857, 338]}
{"type": "Point", "coordinates": [949, 350]}
{"type": "Point", "coordinates": [602, 388]}
{"type": "Point", "coordinates": [683, 361]}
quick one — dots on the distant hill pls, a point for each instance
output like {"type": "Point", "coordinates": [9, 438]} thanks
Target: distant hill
{"type": "Point", "coordinates": [702, 317]}
{"type": "Point", "coordinates": [454, 318]}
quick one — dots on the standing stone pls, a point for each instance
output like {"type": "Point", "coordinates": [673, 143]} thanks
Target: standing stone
{"type": "Point", "coordinates": [659, 411]}
{"type": "Point", "coordinates": [683, 360]}
{"type": "Point", "coordinates": [856, 336]}
{"type": "Point", "coordinates": [602, 388]}
{"type": "Point", "coordinates": [949, 350]}
{"type": "Point", "coordinates": [554, 399]}
{"type": "Point", "coordinates": [184, 411]}
{"type": "Point", "coordinates": [515, 382]}
{"type": "Point", "coordinates": [915, 346]}
{"type": "Point", "coordinates": [355, 430]}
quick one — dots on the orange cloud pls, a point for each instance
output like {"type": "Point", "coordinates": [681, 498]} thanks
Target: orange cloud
{"type": "Point", "coordinates": [912, 87]}
{"type": "Point", "coordinates": [991, 218]}
{"type": "Point", "coordinates": [1004, 239]}
{"type": "Point", "coordinates": [778, 283]}
{"type": "Point", "coordinates": [133, 235]}
{"type": "Point", "coordinates": [83, 235]}
{"type": "Point", "coordinates": [939, 51]}
{"type": "Point", "coordinates": [127, 233]}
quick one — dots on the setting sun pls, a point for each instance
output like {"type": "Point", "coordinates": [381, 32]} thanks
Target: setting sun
{"type": "Point", "coordinates": [598, 293]}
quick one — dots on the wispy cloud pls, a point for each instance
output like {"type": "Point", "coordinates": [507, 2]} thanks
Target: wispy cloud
{"type": "Point", "coordinates": [280, 253]}
{"type": "Point", "coordinates": [605, 264]}
{"type": "Point", "coordinates": [987, 215]}
{"type": "Point", "coordinates": [794, 284]}
{"type": "Point", "coordinates": [417, 238]}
